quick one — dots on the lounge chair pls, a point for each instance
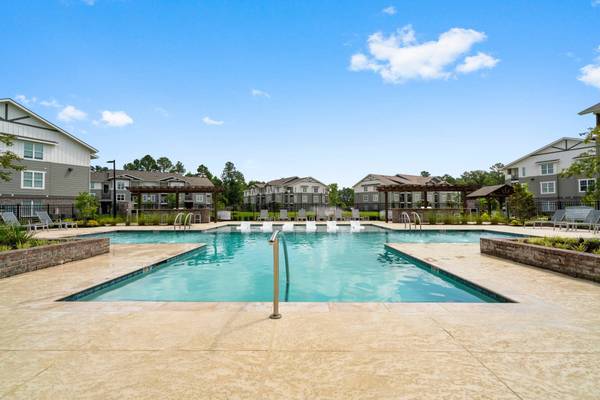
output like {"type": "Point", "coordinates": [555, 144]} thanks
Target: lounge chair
{"type": "Point", "coordinates": [574, 216]}
{"type": "Point", "coordinates": [332, 226]}
{"type": "Point", "coordinates": [557, 217]}
{"type": "Point", "coordinates": [311, 226]}
{"type": "Point", "coordinates": [322, 214]}
{"type": "Point", "coordinates": [245, 227]}
{"type": "Point", "coordinates": [356, 214]}
{"type": "Point", "coordinates": [355, 226]}
{"type": "Point", "coordinates": [288, 227]}
{"type": "Point", "coordinates": [9, 218]}
{"type": "Point", "coordinates": [283, 215]}
{"type": "Point", "coordinates": [264, 215]}
{"type": "Point", "coordinates": [591, 222]}
{"type": "Point", "coordinates": [338, 214]}
{"type": "Point", "coordinates": [267, 227]}
{"type": "Point", "coordinates": [301, 216]}
{"type": "Point", "coordinates": [46, 220]}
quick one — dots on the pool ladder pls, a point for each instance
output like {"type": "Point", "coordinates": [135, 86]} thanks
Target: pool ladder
{"type": "Point", "coordinates": [416, 218]}
{"type": "Point", "coordinates": [274, 240]}
{"type": "Point", "coordinates": [181, 222]}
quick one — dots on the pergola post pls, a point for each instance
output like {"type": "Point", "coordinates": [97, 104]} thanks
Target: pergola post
{"type": "Point", "coordinates": [215, 201]}
{"type": "Point", "coordinates": [177, 200]}
{"type": "Point", "coordinates": [386, 207]}
{"type": "Point", "coordinates": [424, 194]}
{"type": "Point", "coordinates": [463, 197]}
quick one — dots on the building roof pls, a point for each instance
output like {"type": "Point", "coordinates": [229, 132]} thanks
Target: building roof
{"type": "Point", "coordinates": [404, 179]}
{"type": "Point", "coordinates": [151, 176]}
{"type": "Point", "coordinates": [282, 181]}
{"type": "Point", "coordinates": [563, 139]}
{"type": "Point", "coordinates": [486, 191]}
{"type": "Point", "coordinates": [57, 128]}
{"type": "Point", "coordinates": [593, 109]}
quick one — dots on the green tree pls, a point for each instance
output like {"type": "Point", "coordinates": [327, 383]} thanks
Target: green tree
{"type": "Point", "coordinates": [87, 205]}
{"type": "Point", "coordinates": [178, 168]}
{"type": "Point", "coordinates": [346, 196]}
{"type": "Point", "coordinates": [521, 204]}
{"type": "Point", "coordinates": [164, 164]}
{"type": "Point", "coordinates": [98, 168]}
{"type": "Point", "coordinates": [334, 196]}
{"type": "Point", "coordinates": [148, 163]}
{"type": "Point", "coordinates": [425, 173]}
{"type": "Point", "coordinates": [8, 159]}
{"type": "Point", "coordinates": [203, 170]}
{"type": "Point", "coordinates": [233, 184]}
{"type": "Point", "coordinates": [133, 166]}
{"type": "Point", "coordinates": [588, 165]}
{"type": "Point", "coordinates": [448, 178]}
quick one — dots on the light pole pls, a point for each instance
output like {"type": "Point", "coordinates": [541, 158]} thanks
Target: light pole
{"type": "Point", "coordinates": [114, 194]}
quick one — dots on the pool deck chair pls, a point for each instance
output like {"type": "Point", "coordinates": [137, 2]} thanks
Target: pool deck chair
{"type": "Point", "coordinates": [301, 216]}
{"type": "Point", "coordinates": [288, 227]}
{"type": "Point", "coordinates": [338, 214]}
{"type": "Point", "coordinates": [267, 227]}
{"type": "Point", "coordinates": [9, 218]}
{"type": "Point", "coordinates": [311, 226]}
{"type": "Point", "coordinates": [557, 217]}
{"type": "Point", "coordinates": [355, 226]}
{"type": "Point", "coordinates": [574, 216]}
{"type": "Point", "coordinates": [264, 215]}
{"type": "Point", "coordinates": [46, 220]}
{"type": "Point", "coordinates": [355, 214]}
{"type": "Point", "coordinates": [332, 226]}
{"type": "Point", "coordinates": [591, 222]}
{"type": "Point", "coordinates": [283, 215]}
{"type": "Point", "coordinates": [321, 214]}
{"type": "Point", "coordinates": [244, 227]}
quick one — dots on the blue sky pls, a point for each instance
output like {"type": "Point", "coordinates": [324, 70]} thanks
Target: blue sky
{"type": "Point", "coordinates": [330, 89]}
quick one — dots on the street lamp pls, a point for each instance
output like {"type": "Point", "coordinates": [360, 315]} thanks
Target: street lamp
{"type": "Point", "coordinates": [114, 196]}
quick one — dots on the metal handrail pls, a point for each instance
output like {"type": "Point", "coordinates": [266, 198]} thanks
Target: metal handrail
{"type": "Point", "coordinates": [406, 219]}
{"type": "Point", "coordinates": [417, 217]}
{"type": "Point", "coordinates": [274, 240]}
{"type": "Point", "coordinates": [188, 221]}
{"type": "Point", "coordinates": [178, 217]}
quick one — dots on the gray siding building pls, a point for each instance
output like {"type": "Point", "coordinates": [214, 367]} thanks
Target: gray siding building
{"type": "Point", "coordinates": [291, 193]}
{"type": "Point", "coordinates": [57, 164]}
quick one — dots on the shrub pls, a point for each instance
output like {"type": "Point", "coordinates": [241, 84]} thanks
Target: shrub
{"type": "Point", "coordinates": [87, 205]}
{"type": "Point", "coordinates": [14, 236]}
{"type": "Point", "coordinates": [92, 223]}
{"type": "Point", "coordinates": [432, 218]}
{"type": "Point", "coordinates": [464, 218]}
{"type": "Point", "coordinates": [449, 219]}
{"type": "Point", "coordinates": [485, 217]}
{"type": "Point", "coordinates": [515, 222]}
{"type": "Point", "coordinates": [583, 245]}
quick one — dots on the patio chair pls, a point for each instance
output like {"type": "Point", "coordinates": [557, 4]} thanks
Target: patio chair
{"type": "Point", "coordinates": [283, 215]}
{"type": "Point", "coordinates": [301, 216]}
{"type": "Point", "coordinates": [288, 227]}
{"type": "Point", "coordinates": [355, 226]}
{"type": "Point", "coordinates": [266, 227]}
{"type": "Point", "coordinates": [574, 216]}
{"type": "Point", "coordinates": [591, 222]}
{"type": "Point", "coordinates": [311, 226]}
{"type": "Point", "coordinates": [338, 214]}
{"type": "Point", "coordinates": [264, 215]}
{"type": "Point", "coordinates": [332, 226]}
{"type": "Point", "coordinates": [356, 214]}
{"type": "Point", "coordinates": [322, 214]}
{"type": "Point", "coordinates": [244, 227]}
{"type": "Point", "coordinates": [557, 217]}
{"type": "Point", "coordinates": [46, 220]}
{"type": "Point", "coordinates": [9, 218]}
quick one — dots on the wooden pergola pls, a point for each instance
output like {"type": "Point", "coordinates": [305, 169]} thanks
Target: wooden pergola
{"type": "Point", "coordinates": [497, 192]}
{"type": "Point", "coordinates": [424, 189]}
{"type": "Point", "coordinates": [140, 190]}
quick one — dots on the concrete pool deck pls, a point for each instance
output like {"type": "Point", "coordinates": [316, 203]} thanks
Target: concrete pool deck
{"type": "Point", "coordinates": [546, 346]}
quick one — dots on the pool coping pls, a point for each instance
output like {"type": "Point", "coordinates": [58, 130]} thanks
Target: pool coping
{"type": "Point", "coordinates": [77, 296]}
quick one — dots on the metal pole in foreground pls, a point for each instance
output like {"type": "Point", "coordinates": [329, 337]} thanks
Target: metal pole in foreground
{"type": "Point", "coordinates": [275, 243]}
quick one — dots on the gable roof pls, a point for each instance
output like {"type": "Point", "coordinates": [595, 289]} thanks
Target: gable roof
{"type": "Point", "coordinates": [403, 179]}
{"type": "Point", "coordinates": [488, 190]}
{"type": "Point", "coordinates": [45, 121]}
{"type": "Point", "coordinates": [291, 180]}
{"type": "Point", "coordinates": [151, 176]}
{"type": "Point", "coordinates": [553, 144]}
{"type": "Point", "coordinates": [593, 109]}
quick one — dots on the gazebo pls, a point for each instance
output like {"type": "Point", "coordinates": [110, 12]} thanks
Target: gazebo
{"type": "Point", "coordinates": [185, 189]}
{"type": "Point", "coordinates": [434, 186]}
{"type": "Point", "coordinates": [497, 192]}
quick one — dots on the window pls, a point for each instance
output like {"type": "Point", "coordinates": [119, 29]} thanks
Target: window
{"type": "Point", "coordinates": [32, 180]}
{"type": "Point", "coordinates": [199, 198]}
{"type": "Point", "coordinates": [315, 189]}
{"type": "Point", "coordinates": [122, 185]}
{"type": "Point", "coordinates": [33, 151]}
{"type": "Point", "coordinates": [120, 196]}
{"type": "Point", "coordinates": [304, 198]}
{"type": "Point", "coordinates": [548, 206]}
{"type": "Point", "coordinates": [547, 168]}
{"type": "Point", "coordinates": [396, 197]}
{"type": "Point", "coordinates": [548, 187]}
{"type": "Point", "coordinates": [586, 184]}
{"type": "Point", "coordinates": [365, 198]}
{"type": "Point", "coordinates": [29, 207]}
{"type": "Point", "coordinates": [522, 171]}
{"type": "Point", "coordinates": [365, 188]}
{"type": "Point", "coordinates": [95, 185]}
{"type": "Point", "coordinates": [375, 197]}
{"type": "Point", "coordinates": [304, 189]}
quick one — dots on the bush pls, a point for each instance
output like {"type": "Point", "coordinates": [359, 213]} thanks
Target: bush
{"type": "Point", "coordinates": [485, 217]}
{"type": "Point", "coordinates": [87, 205]}
{"type": "Point", "coordinates": [431, 218]}
{"type": "Point", "coordinates": [515, 222]}
{"type": "Point", "coordinates": [449, 219]}
{"type": "Point", "coordinates": [14, 236]}
{"type": "Point", "coordinates": [580, 244]}
{"type": "Point", "coordinates": [91, 223]}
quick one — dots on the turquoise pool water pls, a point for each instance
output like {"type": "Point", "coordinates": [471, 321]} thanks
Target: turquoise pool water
{"type": "Point", "coordinates": [341, 267]}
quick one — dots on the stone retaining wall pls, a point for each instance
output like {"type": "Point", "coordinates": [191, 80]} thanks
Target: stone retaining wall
{"type": "Point", "coordinates": [15, 262]}
{"type": "Point", "coordinates": [569, 262]}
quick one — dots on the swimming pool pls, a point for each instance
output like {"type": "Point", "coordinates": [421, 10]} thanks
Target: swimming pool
{"type": "Point", "coordinates": [342, 267]}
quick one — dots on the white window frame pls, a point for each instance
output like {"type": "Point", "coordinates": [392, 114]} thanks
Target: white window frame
{"type": "Point", "coordinates": [122, 185]}
{"type": "Point", "coordinates": [546, 164]}
{"type": "Point", "coordinates": [33, 180]}
{"type": "Point", "coordinates": [546, 182]}
{"type": "Point", "coordinates": [95, 185]}
{"type": "Point", "coordinates": [587, 180]}
{"type": "Point", "coordinates": [199, 198]}
{"type": "Point", "coordinates": [315, 189]}
{"type": "Point", "coordinates": [376, 197]}
{"type": "Point", "coordinates": [121, 197]}
{"type": "Point", "coordinates": [34, 149]}
{"type": "Point", "coordinates": [523, 170]}
{"type": "Point", "coordinates": [365, 198]}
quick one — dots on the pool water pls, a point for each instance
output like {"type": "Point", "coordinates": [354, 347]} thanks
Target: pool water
{"type": "Point", "coordinates": [341, 267]}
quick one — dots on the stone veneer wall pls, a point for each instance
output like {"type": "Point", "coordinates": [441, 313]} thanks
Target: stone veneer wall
{"type": "Point", "coordinates": [569, 262]}
{"type": "Point", "coordinates": [15, 262]}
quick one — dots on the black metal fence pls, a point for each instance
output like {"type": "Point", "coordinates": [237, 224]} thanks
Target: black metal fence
{"type": "Point", "coordinates": [28, 211]}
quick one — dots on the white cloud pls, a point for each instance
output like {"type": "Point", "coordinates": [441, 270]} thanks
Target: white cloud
{"type": "Point", "coordinates": [260, 93]}
{"type": "Point", "coordinates": [590, 74]}
{"type": "Point", "coordinates": [70, 113]}
{"type": "Point", "coordinates": [116, 118]}
{"type": "Point", "coordinates": [21, 98]}
{"type": "Point", "coordinates": [389, 10]}
{"type": "Point", "coordinates": [475, 63]}
{"type": "Point", "coordinates": [51, 103]}
{"type": "Point", "coordinates": [209, 121]}
{"type": "Point", "coordinates": [399, 57]}
{"type": "Point", "coordinates": [595, 3]}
